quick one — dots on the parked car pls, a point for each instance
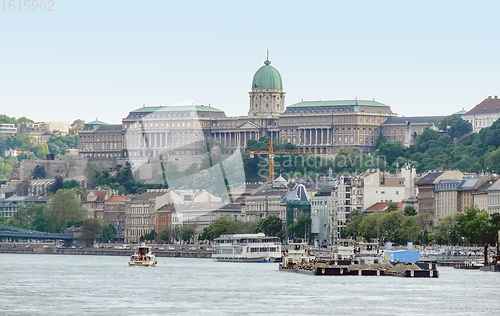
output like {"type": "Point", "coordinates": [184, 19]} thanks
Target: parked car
{"type": "Point", "coordinates": [171, 248]}
{"type": "Point", "coordinates": [192, 248]}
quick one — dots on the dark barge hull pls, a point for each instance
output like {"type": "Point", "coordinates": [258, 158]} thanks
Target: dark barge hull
{"type": "Point", "coordinates": [428, 271]}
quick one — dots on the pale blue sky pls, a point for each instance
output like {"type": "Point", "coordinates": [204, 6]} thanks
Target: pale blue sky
{"type": "Point", "coordinates": [102, 59]}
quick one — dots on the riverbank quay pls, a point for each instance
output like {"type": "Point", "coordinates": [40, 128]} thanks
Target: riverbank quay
{"type": "Point", "coordinates": [41, 248]}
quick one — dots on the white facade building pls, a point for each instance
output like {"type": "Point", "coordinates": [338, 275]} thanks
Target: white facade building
{"type": "Point", "coordinates": [484, 114]}
{"type": "Point", "coordinates": [381, 187]}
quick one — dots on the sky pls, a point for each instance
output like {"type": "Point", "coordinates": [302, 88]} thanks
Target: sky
{"type": "Point", "coordinates": [101, 59]}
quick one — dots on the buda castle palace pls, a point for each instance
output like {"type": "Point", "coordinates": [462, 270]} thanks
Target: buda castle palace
{"type": "Point", "coordinates": [183, 131]}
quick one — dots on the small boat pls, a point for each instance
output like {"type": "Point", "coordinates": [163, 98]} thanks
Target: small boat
{"type": "Point", "coordinates": [142, 257]}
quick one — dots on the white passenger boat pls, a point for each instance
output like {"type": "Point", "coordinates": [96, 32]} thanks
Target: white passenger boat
{"type": "Point", "coordinates": [247, 248]}
{"type": "Point", "coordinates": [142, 257]}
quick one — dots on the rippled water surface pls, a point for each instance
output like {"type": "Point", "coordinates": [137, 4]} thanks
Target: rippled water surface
{"type": "Point", "coordinates": [100, 285]}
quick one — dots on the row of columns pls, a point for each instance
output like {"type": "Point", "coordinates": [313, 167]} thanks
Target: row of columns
{"type": "Point", "coordinates": [235, 139]}
{"type": "Point", "coordinates": [325, 136]}
{"type": "Point", "coordinates": [169, 140]}
{"type": "Point", "coordinates": [162, 140]}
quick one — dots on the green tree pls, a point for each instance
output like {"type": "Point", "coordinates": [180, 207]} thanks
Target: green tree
{"type": "Point", "coordinates": [270, 226]}
{"type": "Point", "coordinates": [368, 226]}
{"type": "Point", "coordinates": [492, 160]}
{"type": "Point", "coordinates": [64, 211]}
{"type": "Point", "coordinates": [472, 224]}
{"type": "Point", "coordinates": [391, 207]}
{"type": "Point", "coordinates": [165, 234]}
{"type": "Point", "coordinates": [108, 232]}
{"type": "Point", "coordinates": [90, 230]}
{"type": "Point", "coordinates": [301, 228]}
{"type": "Point", "coordinates": [221, 226]}
{"type": "Point", "coordinates": [423, 224]}
{"type": "Point", "coordinates": [187, 232]}
{"type": "Point", "coordinates": [455, 126]}
{"type": "Point", "coordinates": [149, 236]}
{"type": "Point", "coordinates": [5, 169]}
{"type": "Point", "coordinates": [77, 125]}
{"type": "Point", "coordinates": [444, 231]}
{"type": "Point", "coordinates": [389, 226]}
{"type": "Point", "coordinates": [33, 216]}
{"type": "Point", "coordinates": [352, 223]}
{"type": "Point", "coordinates": [391, 151]}
{"type": "Point", "coordinates": [408, 230]}
{"type": "Point", "coordinates": [57, 185]}
{"type": "Point", "coordinates": [409, 211]}
{"type": "Point", "coordinates": [39, 172]}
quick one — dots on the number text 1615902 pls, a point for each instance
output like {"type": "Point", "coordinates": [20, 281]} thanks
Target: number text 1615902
{"type": "Point", "coordinates": [27, 5]}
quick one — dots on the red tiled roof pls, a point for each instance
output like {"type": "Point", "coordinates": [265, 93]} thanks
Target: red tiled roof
{"type": "Point", "coordinates": [117, 198]}
{"type": "Point", "coordinates": [380, 206]}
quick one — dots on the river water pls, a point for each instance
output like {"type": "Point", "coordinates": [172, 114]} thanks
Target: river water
{"type": "Point", "coordinates": [102, 285]}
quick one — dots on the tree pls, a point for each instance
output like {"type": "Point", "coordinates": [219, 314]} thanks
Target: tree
{"type": "Point", "coordinates": [444, 231]}
{"type": "Point", "coordinates": [409, 211]}
{"type": "Point", "coordinates": [391, 207]}
{"type": "Point", "coordinates": [39, 172]}
{"type": "Point", "coordinates": [352, 223]}
{"type": "Point", "coordinates": [270, 226]}
{"type": "Point", "coordinates": [78, 125]}
{"type": "Point", "coordinates": [494, 227]}
{"type": "Point", "coordinates": [423, 224]}
{"type": "Point", "coordinates": [90, 230]}
{"type": "Point", "coordinates": [225, 225]}
{"type": "Point", "coordinates": [64, 211]}
{"type": "Point", "coordinates": [492, 160]}
{"type": "Point", "coordinates": [221, 226]}
{"type": "Point", "coordinates": [149, 236]}
{"type": "Point", "coordinates": [32, 216]}
{"type": "Point", "coordinates": [368, 226]}
{"type": "Point", "coordinates": [389, 225]}
{"type": "Point", "coordinates": [187, 232]}
{"type": "Point", "coordinates": [391, 151]}
{"type": "Point", "coordinates": [301, 228]}
{"type": "Point", "coordinates": [165, 234]}
{"type": "Point", "coordinates": [5, 170]}
{"type": "Point", "coordinates": [455, 126]}
{"type": "Point", "coordinates": [108, 232]}
{"type": "Point", "coordinates": [472, 224]}
{"type": "Point", "coordinates": [57, 185]}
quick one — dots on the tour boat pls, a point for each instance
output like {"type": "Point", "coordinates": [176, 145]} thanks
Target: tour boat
{"type": "Point", "coordinates": [247, 248]}
{"type": "Point", "coordinates": [142, 257]}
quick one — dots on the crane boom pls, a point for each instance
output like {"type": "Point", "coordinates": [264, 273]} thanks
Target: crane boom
{"type": "Point", "coordinates": [271, 154]}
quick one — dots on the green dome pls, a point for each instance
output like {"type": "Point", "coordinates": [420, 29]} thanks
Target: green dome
{"type": "Point", "coordinates": [267, 77]}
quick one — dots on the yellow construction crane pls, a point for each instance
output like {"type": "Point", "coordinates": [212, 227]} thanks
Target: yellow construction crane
{"type": "Point", "coordinates": [271, 154]}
